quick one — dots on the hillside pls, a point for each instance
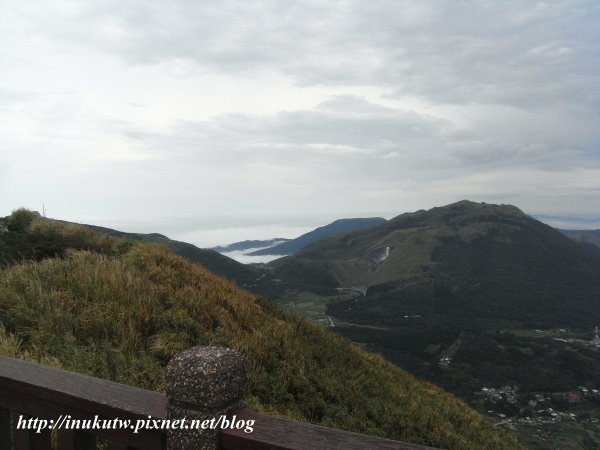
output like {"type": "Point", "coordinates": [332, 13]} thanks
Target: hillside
{"type": "Point", "coordinates": [477, 298]}
{"type": "Point", "coordinates": [584, 236]}
{"type": "Point", "coordinates": [218, 264]}
{"type": "Point", "coordinates": [258, 280]}
{"type": "Point", "coordinates": [337, 227]}
{"type": "Point", "coordinates": [463, 260]}
{"type": "Point", "coordinates": [120, 309]}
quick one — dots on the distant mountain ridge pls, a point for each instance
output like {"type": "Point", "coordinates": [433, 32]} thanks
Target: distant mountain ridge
{"type": "Point", "coordinates": [247, 245]}
{"type": "Point", "coordinates": [380, 260]}
{"type": "Point", "coordinates": [336, 227]}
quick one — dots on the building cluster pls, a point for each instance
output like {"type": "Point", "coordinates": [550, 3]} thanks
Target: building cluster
{"type": "Point", "coordinates": [592, 343]}
{"type": "Point", "coordinates": [588, 392]}
{"type": "Point", "coordinates": [596, 341]}
{"type": "Point", "coordinates": [543, 416]}
{"type": "Point", "coordinates": [542, 412]}
{"type": "Point", "coordinates": [445, 361]}
{"type": "Point", "coordinates": [505, 393]}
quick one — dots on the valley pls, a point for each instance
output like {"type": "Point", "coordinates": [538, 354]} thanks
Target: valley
{"type": "Point", "coordinates": [115, 306]}
{"type": "Point", "coordinates": [390, 209]}
{"type": "Point", "coordinates": [543, 386]}
{"type": "Point", "coordinates": [479, 299]}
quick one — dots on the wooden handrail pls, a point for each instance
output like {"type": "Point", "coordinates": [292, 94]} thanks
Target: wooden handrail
{"type": "Point", "coordinates": [274, 433]}
{"type": "Point", "coordinates": [79, 391]}
{"type": "Point", "coordinates": [46, 392]}
{"type": "Point", "coordinates": [29, 389]}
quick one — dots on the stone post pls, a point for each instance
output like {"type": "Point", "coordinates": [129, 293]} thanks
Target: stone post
{"type": "Point", "coordinates": [203, 383]}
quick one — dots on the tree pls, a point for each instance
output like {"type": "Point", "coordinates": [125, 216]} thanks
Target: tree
{"type": "Point", "coordinates": [20, 219]}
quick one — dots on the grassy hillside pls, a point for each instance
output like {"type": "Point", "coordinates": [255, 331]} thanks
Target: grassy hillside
{"type": "Point", "coordinates": [118, 309]}
{"type": "Point", "coordinates": [218, 264]}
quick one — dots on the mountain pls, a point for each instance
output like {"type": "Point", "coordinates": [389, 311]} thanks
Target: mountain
{"type": "Point", "coordinates": [220, 265]}
{"type": "Point", "coordinates": [481, 299]}
{"type": "Point", "coordinates": [119, 309]}
{"type": "Point", "coordinates": [584, 236]}
{"type": "Point", "coordinates": [337, 227]}
{"type": "Point", "coordinates": [464, 260]}
{"type": "Point", "coordinates": [247, 245]}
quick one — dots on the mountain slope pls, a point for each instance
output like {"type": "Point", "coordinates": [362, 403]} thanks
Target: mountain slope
{"type": "Point", "coordinates": [465, 259]}
{"type": "Point", "coordinates": [584, 236]}
{"type": "Point", "coordinates": [120, 309]}
{"type": "Point", "coordinates": [336, 227]}
{"type": "Point", "coordinates": [218, 264]}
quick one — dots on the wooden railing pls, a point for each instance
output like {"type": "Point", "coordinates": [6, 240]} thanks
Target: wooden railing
{"type": "Point", "coordinates": [202, 383]}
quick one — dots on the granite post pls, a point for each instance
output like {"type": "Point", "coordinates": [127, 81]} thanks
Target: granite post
{"type": "Point", "coordinates": [203, 383]}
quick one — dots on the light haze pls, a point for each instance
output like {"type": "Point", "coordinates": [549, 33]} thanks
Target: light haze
{"type": "Point", "coordinates": [224, 121]}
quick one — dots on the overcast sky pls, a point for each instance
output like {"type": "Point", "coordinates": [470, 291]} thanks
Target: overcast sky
{"type": "Point", "coordinates": [221, 121]}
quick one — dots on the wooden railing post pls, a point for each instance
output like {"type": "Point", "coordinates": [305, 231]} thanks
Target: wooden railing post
{"type": "Point", "coordinates": [203, 383]}
{"type": "Point", "coordinates": [5, 431]}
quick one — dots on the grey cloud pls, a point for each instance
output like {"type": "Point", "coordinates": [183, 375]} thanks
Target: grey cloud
{"type": "Point", "coordinates": [15, 96]}
{"type": "Point", "coordinates": [343, 127]}
{"type": "Point", "coordinates": [353, 104]}
{"type": "Point", "coordinates": [126, 129]}
{"type": "Point", "coordinates": [516, 81]}
{"type": "Point", "coordinates": [516, 52]}
{"type": "Point", "coordinates": [348, 138]}
{"type": "Point", "coordinates": [499, 154]}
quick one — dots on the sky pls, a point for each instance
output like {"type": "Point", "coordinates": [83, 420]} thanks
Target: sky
{"type": "Point", "coordinates": [214, 122]}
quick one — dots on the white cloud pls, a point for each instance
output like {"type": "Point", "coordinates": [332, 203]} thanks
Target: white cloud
{"type": "Point", "coordinates": [224, 236]}
{"type": "Point", "coordinates": [245, 258]}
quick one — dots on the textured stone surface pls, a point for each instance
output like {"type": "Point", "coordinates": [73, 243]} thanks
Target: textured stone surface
{"type": "Point", "coordinates": [202, 383]}
{"type": "Point", "coordinates": [195, 439]}
{"type": "Point", "coordinates": [207, 376]}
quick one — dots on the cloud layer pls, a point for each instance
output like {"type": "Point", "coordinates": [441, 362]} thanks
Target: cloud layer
{"type": "Point", "coordinates": [194, 111]}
